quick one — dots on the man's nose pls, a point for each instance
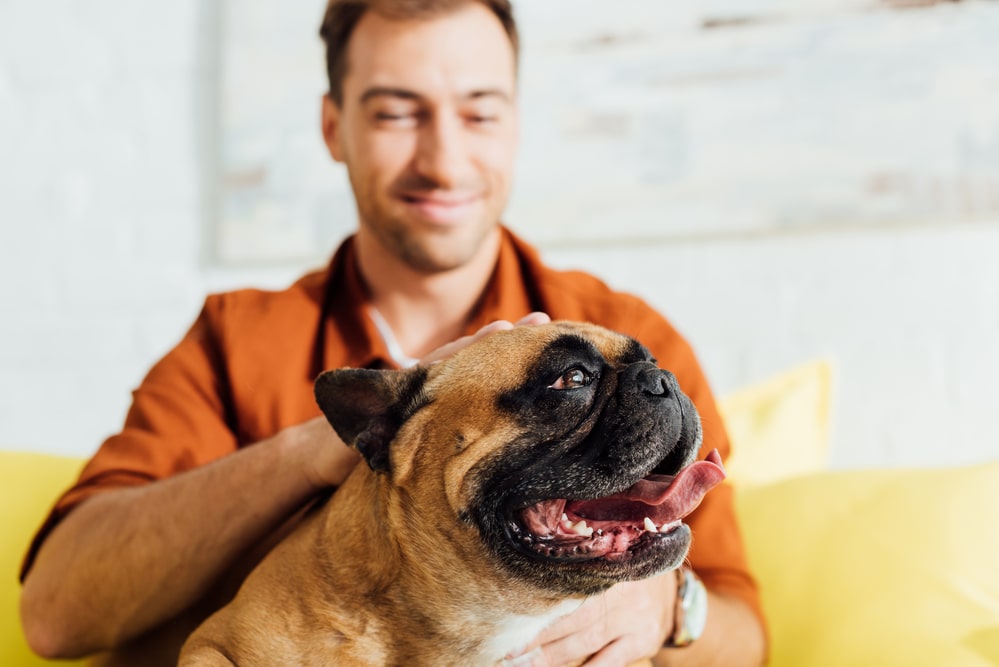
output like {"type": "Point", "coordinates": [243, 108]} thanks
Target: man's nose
{"type": "Point", "coordinates": [441, 153]}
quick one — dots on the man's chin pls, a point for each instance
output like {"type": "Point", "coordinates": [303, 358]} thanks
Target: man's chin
{"type": "Point", "coordinates": [430, 247]}
{"type": "Point", "coordinates": [436, 259]}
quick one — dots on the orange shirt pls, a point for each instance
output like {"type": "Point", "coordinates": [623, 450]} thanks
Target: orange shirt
{"type": "Point", "coordinates": [245, 371]}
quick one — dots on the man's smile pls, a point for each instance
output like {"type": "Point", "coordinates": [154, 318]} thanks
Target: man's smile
{"type": "Point", "coordinates": [441, 208]}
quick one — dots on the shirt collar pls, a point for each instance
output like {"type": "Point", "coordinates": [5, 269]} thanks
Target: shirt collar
{"type": "Point", "coordinates": [508, 294]}
{"type": "Point", "coordinates": [349, 337]}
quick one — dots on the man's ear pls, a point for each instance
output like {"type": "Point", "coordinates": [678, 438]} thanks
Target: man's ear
{"type": "Point", "coordinates": [366, 407]}
{"type": "Point", "coordinates": [332, 131]}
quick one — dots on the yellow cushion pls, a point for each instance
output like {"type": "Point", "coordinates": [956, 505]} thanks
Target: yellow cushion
{"type": "Point", "coordinates": [879, 567]}
{"type": "Point", "coordinates": [29, 484]}
{"type": "Point", "coordinates": [780, 427]}
{"type": "Point", "coordinates": [860, 568]}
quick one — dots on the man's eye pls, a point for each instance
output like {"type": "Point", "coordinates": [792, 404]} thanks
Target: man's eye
{"type": "Point", "coordinates": [482, 119]}
{"type": "Point", "coordinates": [572, 379]}
{"type": "Point", "coordinates": [391, 118]}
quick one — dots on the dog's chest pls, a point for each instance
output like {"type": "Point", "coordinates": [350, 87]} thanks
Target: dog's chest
{"type": "Point", "coordinates": [516, 631]}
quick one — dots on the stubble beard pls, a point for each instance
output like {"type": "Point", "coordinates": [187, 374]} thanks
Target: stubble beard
{"type": "Point", "coordinates": [431, 253]}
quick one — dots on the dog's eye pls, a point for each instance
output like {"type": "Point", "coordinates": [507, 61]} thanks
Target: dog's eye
{"type": "Point", "coordinates": [572, 379]}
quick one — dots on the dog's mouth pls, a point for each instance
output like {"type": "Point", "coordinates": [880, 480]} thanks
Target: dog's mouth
{"type": "Point", "coordinates": [620, 526]}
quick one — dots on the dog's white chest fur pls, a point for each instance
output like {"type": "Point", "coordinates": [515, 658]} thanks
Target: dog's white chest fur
{"type": "Point", "coordinates": [517, 631]}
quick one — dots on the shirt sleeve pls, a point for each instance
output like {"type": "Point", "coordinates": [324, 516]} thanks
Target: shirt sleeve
{"type": "Point", "coordinates": [180, 418]}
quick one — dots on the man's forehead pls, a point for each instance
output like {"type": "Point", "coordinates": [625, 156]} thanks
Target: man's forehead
{"type": "Point", "coordinates": [463, 54]}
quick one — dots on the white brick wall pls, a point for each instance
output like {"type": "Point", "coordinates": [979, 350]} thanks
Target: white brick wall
{"type": "Point", "coordinates": [102, 208]}
{"type": "Point", "coordinates": [106, 158]}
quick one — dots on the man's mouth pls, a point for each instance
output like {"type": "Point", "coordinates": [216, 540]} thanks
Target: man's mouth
{"type": "Point", "coordinates": [440, 208]}
{"type": "Point", "coordinates": [618, 526]}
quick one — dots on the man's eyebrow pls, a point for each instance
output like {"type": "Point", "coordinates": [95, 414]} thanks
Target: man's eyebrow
{"type": "Point", "coordinates": [488, 92]}
{"type": "Point", "coordinates": [405, 94]}
{"type": "Point", "coordinates": [386, 91]}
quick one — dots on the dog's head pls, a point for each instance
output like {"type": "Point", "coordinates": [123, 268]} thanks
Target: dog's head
{"type": "Point", "coordinates": [562, 450]}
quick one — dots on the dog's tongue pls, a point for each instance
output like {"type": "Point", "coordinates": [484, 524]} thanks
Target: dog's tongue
{"type": "Point", "coordinates": [662, 498]}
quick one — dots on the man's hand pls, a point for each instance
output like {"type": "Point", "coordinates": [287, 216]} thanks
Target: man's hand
{"type": "Point", "coordinates": [627, 623]}
{"type": "Point", "coordinates": [445, 351]}
{"type": "Point", "coordinates": [324, 458]}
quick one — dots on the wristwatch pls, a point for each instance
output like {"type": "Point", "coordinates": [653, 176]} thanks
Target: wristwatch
{"type": "Point", "coordinates": [691, 613]}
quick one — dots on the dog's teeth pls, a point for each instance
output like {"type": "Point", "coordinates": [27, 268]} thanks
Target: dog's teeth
{"type": "Point", "coordinates": [580, 528]}
{"type": "Point", "coordinates": [649, 526]}
{"type": "Point", "coordinates": [666, 527]}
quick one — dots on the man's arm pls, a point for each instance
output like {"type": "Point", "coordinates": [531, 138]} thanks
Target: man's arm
{"type": "Point", "coordinates": [127, 560]}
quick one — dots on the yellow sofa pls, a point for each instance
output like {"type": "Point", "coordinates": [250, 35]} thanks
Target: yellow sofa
{"type": "Point", "coordinates": [857, 568]}
{"type": "Point", "coordinates": [879, 567]}
{"type": "Point", "coordinates": [29, 483]}
{"type": "Point", "coordinates": [860, 568]}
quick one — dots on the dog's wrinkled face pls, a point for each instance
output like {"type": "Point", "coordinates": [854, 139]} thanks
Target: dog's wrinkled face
{"type": "Point", "coordinates": [562, 449]}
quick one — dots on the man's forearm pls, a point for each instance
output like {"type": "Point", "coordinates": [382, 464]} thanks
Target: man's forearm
{"type": "Point", "coordinates": [732, 638]}
{"type": "Point", "coordinates": [127, 560]}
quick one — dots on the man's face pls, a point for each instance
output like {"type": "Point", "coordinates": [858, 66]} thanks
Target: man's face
{"type": "Point", "coordinates": [428, 129]}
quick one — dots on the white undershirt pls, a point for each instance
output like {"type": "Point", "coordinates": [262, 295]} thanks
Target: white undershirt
{"type": "Point", "coordinates": [391, 344]}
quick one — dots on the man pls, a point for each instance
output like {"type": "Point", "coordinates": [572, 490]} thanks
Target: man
{"type": "Point", "coordinates": [170, 514]}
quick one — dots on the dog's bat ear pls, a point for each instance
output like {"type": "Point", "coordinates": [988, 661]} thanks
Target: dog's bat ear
{"type": "Point", "coordinates": [366, 407]}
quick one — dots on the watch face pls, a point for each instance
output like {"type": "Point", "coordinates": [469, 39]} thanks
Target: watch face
{"type": "Point", "coordinates": [695, 604]}
{"type": "Point", "coordinates": [691, 610]}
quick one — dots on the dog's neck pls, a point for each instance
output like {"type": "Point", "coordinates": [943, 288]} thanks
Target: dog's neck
{"type": "Point", "coordinates": [410, 582]}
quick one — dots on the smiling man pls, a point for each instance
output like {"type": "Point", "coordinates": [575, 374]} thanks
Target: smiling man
{"type": "Point", "coordinates": [224, 444]}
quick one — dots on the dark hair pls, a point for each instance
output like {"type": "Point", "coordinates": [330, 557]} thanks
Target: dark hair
{"type": "Point", "coordinates": [342, 16]}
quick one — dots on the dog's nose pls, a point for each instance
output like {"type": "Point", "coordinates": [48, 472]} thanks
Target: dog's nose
{"type": "Point", "coordinates": [650, 379]}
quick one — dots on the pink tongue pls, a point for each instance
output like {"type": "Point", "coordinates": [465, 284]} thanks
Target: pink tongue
{"type": "Point", "coordinates": [662, 498]}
